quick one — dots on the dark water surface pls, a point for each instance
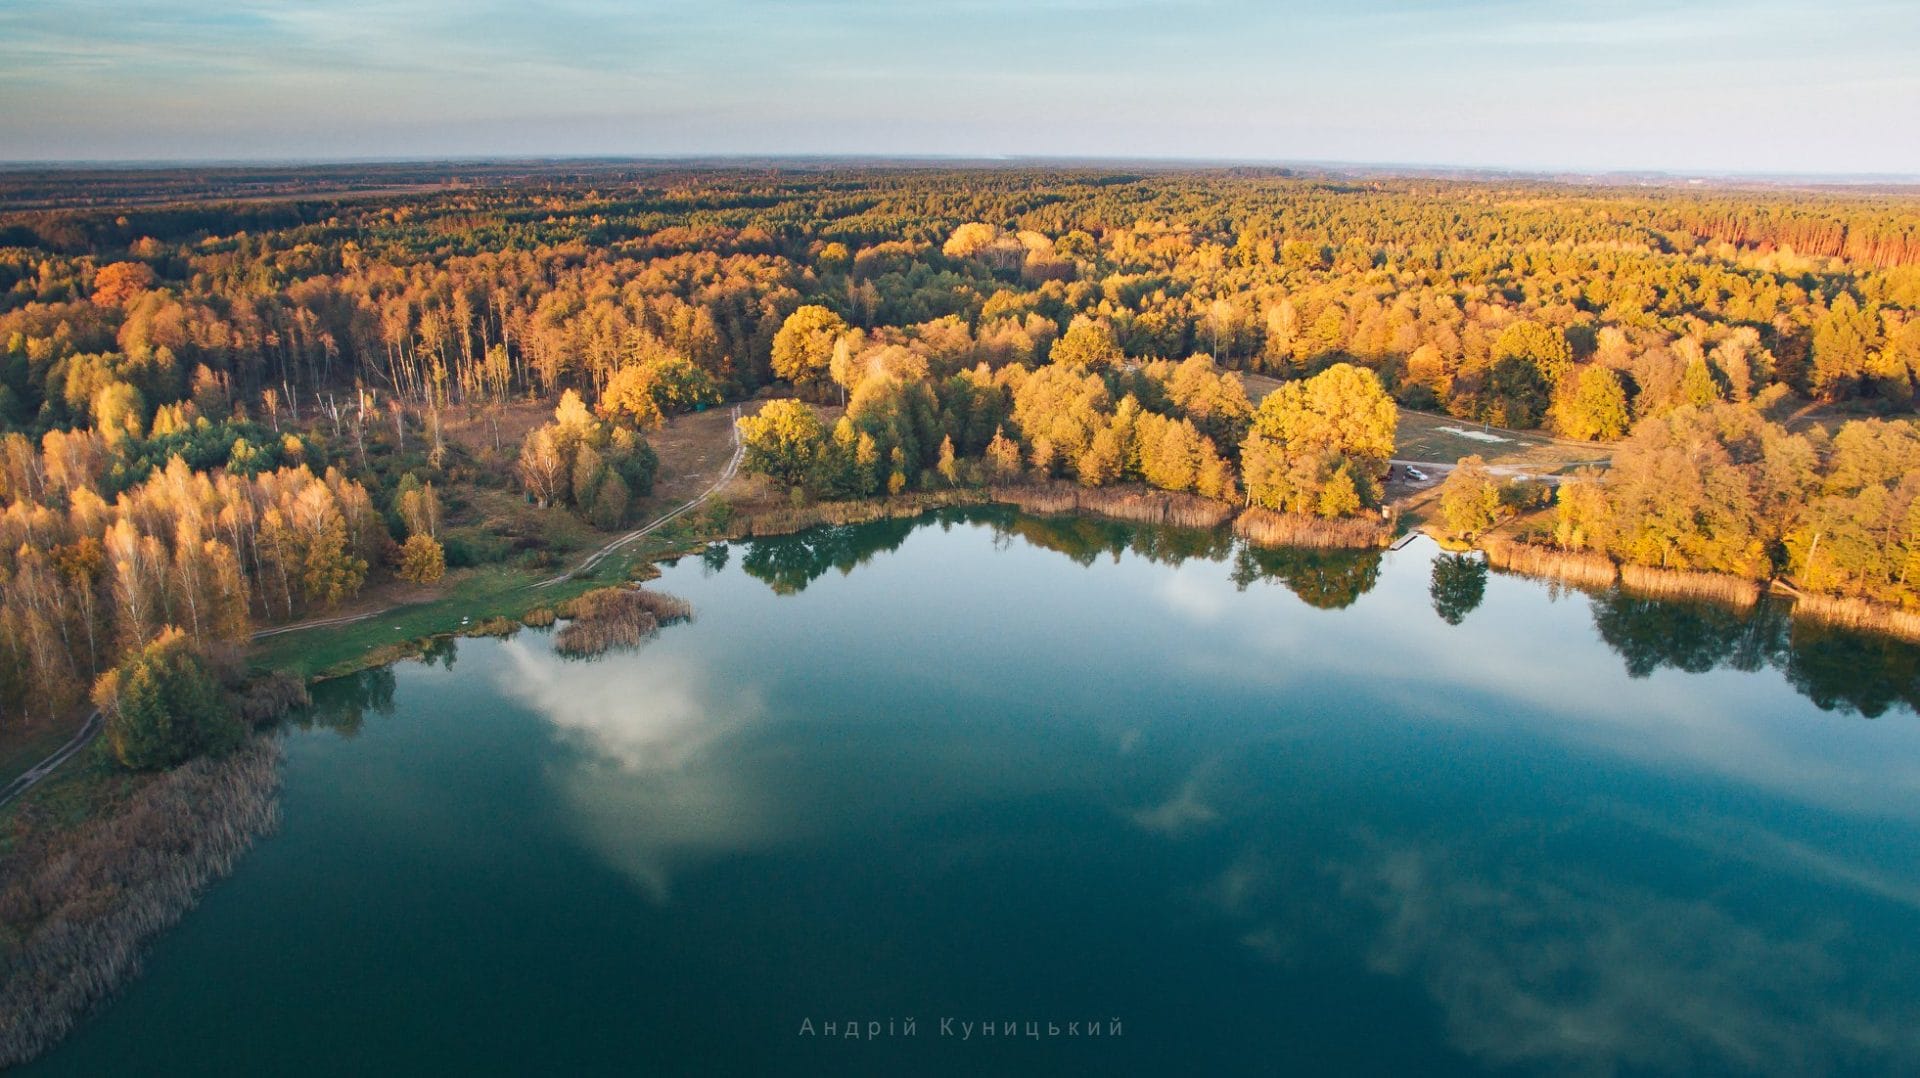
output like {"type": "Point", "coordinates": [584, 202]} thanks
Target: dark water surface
{"type": "Point", "coordinates": [1269, 813]}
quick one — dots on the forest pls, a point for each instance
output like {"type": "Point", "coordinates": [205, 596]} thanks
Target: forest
{"type": "Point", "coordinates": [226, 398]}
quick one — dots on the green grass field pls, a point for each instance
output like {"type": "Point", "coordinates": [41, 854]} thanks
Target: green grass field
{"type": "Point", "coordinates": [478, 594]}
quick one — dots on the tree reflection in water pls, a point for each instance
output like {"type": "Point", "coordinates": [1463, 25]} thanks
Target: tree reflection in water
{"type": "Point", "coordinates": [1459, 585]}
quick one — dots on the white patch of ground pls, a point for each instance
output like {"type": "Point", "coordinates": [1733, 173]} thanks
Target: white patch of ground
{"type": "Point", "coordinates": [1476, 435]}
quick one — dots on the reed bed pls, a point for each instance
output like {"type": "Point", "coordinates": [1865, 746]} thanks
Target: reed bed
{"type": "Point", "coordinates": [539, 617]}
{"type": "Point", "coordinates": [1130, 502]}
{"type": "Point", "coordinates": [610, 618]}
{"type": "Point", "coordinates": [79, 905]}
{"type": "Point", "coordinates": [785, 520]}
{"type": "Point", "coordinates": [1655, 583]}
{"type": "Point", "coordinates": [269, 696]}
{"type": "Point", "coordinates": [1862, 614]}
{"type": "Point", "coordinates": [1580, 568]}
{"type": "Point", "coordinates": [504, 628]}
{"type": "Point", "coordinates": [1266, 528]}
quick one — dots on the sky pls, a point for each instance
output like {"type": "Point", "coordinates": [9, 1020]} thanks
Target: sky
{"type": "Point", "coordinates": [1718, 86]}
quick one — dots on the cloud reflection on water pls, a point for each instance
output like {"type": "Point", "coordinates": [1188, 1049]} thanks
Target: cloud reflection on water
{"type": "Point", "coordinates": [650, 792]}
{"type": "Point", "coordinates": [1529, 962]}
{"type": "Point", "coordinates": [1578, 972]}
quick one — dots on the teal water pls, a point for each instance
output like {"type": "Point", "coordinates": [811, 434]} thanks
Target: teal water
{"type": "Point", "coordinates": [1270, 813]}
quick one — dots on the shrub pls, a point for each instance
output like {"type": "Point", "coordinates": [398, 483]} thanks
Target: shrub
{"type": "Point", "coordinates": [163, 706]}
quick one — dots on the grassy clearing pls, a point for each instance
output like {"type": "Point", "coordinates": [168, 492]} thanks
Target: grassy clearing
{"type": "Point", "coordinates": [479, 594]}
{"type": "Point", "coordinates": [1444, 440]}
{"type": "Point", "coordinates": [471, 598]}
{"type": "Point", "coordinates": [81, 788]}
{"type": "Point", "coordinates": [693, 449]}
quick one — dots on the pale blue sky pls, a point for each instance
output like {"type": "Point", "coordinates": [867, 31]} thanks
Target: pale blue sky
{"type": "Point", "coordinates": [1713, 85]}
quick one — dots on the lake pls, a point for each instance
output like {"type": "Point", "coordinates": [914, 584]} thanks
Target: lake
{"type": "Point", "coordinates": [1242, 812]}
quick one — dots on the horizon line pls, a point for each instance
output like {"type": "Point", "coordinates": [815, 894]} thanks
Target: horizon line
{"type": "Point", "coordinates": [1166, 161]}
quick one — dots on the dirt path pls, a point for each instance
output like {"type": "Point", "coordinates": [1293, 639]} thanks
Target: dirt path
{"type": "Point", "coordinates": [1438, 470]}
{"type": "Point", "coordinates": [726, 475]}
{"type": "Point", "coordinates": [32, 776]}
{"type": "Point", "coordinates": [732, 468]}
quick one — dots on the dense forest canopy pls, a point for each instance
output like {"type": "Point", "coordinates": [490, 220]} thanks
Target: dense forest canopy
{"type": "Point", "coordinates": [207, 377]}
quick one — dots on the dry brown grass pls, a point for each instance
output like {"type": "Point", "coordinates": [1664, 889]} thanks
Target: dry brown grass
{"type": "Point", "coordinates": [268, 696]}
{"type": "Point", "coordinates": [610, 618]}
{"type": "Point", "coordinates": [79, 905]}
{"type": "Point", "coordinates": [1265, 528]}
{"type": "Point", "coordinates": [1580, 568]}
{"type": "Point", "coordinates": [1130, 502]}
{"type": "Point", "coordinates": [1858, 614]}
{"type": "Point", "coordinates": [693, 450]}
{"type": "Point", "coordinates": [1656, 583]}
{"type": "Point", "coordinates": [761, 519]}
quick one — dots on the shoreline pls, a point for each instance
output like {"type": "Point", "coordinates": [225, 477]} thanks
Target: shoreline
{"type": "Point", "coordinates": [1587, 569]}
{"type": "Point", "coordinates": [1136, 503]}
{"type": "Point", "coordinates": [211, 811]}
{"type": "Point", "coordinates": [88, 911]}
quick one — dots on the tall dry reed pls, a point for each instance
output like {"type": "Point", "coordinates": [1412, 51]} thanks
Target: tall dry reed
{"type": "Point", "coordinates": [1655, 583]}
{"type": "Point", "coordinates": [787, 519]}
{"type": "Point", "coordinates": [1578, 567]}
{"type": "Point", "coordinates": [1859, 614]}
{"type": "Point", "coordinates": [1130, 502]}
{"type": "Point", "coordinates": [81, 904]}
{"type": "Point", "coordinates": [619, 617]}
{"type": "Point", "coordinates": [1266, 528]}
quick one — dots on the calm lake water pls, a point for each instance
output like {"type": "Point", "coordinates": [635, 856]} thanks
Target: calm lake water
{"type": "Point", "coordinates": [1284, 812]}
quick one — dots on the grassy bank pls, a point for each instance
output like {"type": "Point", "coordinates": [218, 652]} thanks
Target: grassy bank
{"type": "Point", "coordinates": [474, 598]}
{"type": "Point", "coordinates": [24, 747]}
{"type": "Point", "coordinates": [331, 650]}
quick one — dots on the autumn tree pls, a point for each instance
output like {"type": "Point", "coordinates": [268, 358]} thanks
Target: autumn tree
{"type": "Point", "coordinates": [643, 394]}
{"type": "Point", "coordinates": [422, 560]}
{"type": "Point", "coordinates": [1215, 400]}
{"type": "Point", "coordinates": [116, 283]}
{"type": "Point", "coordinates": [1319, 446]}
{"type": "Point", "coordinates": [1596, 410]}
{"type": "Point", "coordinates": [1088, 344]}
{"type": "Point", "coordinates": [1469, 499]}
{"type": "Point", "coordinates": [163, 705]}
{"type": "Point", "coordinates": [803, 349]}
{"type": "Point", "coordinates": [783, 442]}
{"type": "Point", "coordinates": [1843, 339]}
